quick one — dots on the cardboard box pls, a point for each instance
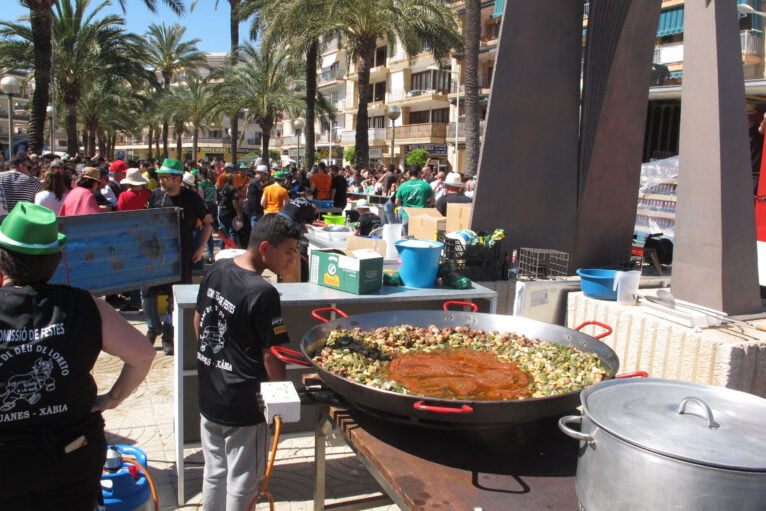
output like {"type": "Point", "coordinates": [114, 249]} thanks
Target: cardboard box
{"type": "Point", "coordinates": [357, 242]}
{"type": "Point", "coordinates": [425, 222]}
{"type": "Point", "coordinates": [458, 216]}
{"type": "Point", "coordinates": [355, 271]}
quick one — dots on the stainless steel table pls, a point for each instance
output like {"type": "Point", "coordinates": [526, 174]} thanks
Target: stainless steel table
{"type": "Point", "coordinates": [298, 299]}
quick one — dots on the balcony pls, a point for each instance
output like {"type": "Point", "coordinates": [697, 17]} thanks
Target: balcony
{"type": "Point", "coordinates": [330, 75]}
{"type": "Point", "coordinates": [750, 42]}
{"type": "Point", "coordinates": [418, 96]}
{"type": "Point", "coordinates": [461, 133]}
{"type": "Point", "coordinates": [373, 135]}
{"type": "Point", "coordinates": [208, 140]}
{"type": "Point", "coordinates": [424, 131]}
{"type": "Point", "coordinates": [291, 140]}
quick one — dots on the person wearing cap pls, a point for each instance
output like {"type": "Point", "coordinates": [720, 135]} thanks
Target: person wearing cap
{"type": "Point", "coordinates": [172, 194]}
{"type": "Point", "coordinates": [253, 207]}
{"type": "Point", "coordinates": [275, 196]}
{"type": "Point", "coordinates": [18, 184]}
{"type": "Point", "coordinates": [54, 190]}
{"type": "Point", "coordinates": [453, 188]}
{"type": "Point", "coordinates": [367, 219]}
{"type": "Point", "coordinates": [57, 165]}
{"type": "Point", "coordinates": [136, 195]}
{"type": "Point", "coordinates": [241, 180]}
{"type": "Point", "coordinates": [81, 200]}
{"type": "Point", "coordinates": [228, 168]}
{"type": "Point", "coordinates": [116, 174]}
{"type": "Point", "coordinates": [53, 446]}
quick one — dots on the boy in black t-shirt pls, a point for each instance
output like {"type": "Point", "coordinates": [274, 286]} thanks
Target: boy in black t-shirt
{"type": "Point", "coordinates": [238, 319]}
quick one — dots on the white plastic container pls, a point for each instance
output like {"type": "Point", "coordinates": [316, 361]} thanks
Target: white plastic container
{"type": "Point", "coordinates": [626, 285]}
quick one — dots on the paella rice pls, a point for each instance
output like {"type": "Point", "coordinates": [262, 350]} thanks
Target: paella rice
{"type": "Point", "coordinates": [554, 368]}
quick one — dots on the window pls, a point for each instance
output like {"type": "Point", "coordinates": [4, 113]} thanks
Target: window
{"type": "Point", "coordinates": [380, 56]}
{"type": "Point", "coordinates": [431, 80]}
{"type": "Point", "coordinates": [421, 117]}
{"type": "Point", "coordinates": [440, 115]}
{"type": "Point", "coordinates": [379, 121]}
{"type": "Point", "coordinates": [377, 92]}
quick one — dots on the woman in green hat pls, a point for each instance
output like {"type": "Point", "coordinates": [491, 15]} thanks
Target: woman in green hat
{"type": "Point", "coordinates": [52, 444]}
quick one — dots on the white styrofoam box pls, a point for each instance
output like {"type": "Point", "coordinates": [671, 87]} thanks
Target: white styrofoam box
{"type": "Point", "coordinates": [722, 356]}
{"type": "Point", "coordinates": [280, 398]}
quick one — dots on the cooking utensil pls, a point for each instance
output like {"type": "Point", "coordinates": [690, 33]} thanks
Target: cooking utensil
{"type": "Point", "coordinates": [662, 444]}
{"type": "Point", "coordinates": [441, 412]}
{"type": "Point", "coordinates": [667, 298]}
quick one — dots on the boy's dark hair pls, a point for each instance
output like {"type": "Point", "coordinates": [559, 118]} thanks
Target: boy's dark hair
{"type": "Point", "coordinates": [275, 229]}
{"type": "Point", "coordinates": [18, 160]}
{"type": "Point", "coordinates": [24, 269]}
{"type": "Point", "coordinates": [415, 171]}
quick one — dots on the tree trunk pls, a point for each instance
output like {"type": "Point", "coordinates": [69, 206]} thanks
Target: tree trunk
{"type": "Point", "coordinates": [90, 141]}
{"type": "Point", "coordinates": [179, 145]}
{"type": "Point", "coordinates": [41, 20]}
{"type": "Point", "coordinates": [157, 145]}
{"type": "Point", "coordinates": [72, 143]}
{"type": "Point", "coordinates": [149, 139]}
{"type": "Point", "coordinates": [266, 124]}
{"type": "Point", "coordinates": [233, 57]}
{"type": "Point", "coordinates": [102, 144]}
{"type": "Point", "coordinates": [471, 34]}
{"type": "Point", "coordinates": [112, 144]}
{"type": "Point", "coordinates": [311, 96]}
{"type": "Point", "coordinates": [195, 138]}
{"type": "Point", "coordinates": [165, 135]}
{"type": "Point", "coordinates": [366, 52]}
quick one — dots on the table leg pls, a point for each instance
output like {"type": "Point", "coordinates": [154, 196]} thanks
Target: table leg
{"type": "Point", "coordinates": [320, 461]}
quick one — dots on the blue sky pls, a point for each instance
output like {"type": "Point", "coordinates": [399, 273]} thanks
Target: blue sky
{"type": "Point", "coordinates": [206, 23]}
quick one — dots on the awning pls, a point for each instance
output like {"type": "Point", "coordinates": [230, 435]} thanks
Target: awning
{"type": "Point", "coordinates": [671, 21]}
{"type": "Point", "coordinates": [499, 8]}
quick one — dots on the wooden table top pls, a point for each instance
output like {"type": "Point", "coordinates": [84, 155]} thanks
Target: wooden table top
{"type": "Point", "coordinates": [531, 467]}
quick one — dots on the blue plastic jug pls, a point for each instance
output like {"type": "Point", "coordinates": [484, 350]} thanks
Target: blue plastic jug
{"type": "Point", "coordinates": [418, 262]}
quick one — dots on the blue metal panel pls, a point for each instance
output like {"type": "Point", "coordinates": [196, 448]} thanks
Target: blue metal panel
{"type": "Point", "coordinates": [110, 252]}
{"type": "Point", "coordinates": [499, 8]}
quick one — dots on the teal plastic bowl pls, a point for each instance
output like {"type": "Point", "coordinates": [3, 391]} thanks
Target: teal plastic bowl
{"type": "Point", "coordinates": [598, 284]}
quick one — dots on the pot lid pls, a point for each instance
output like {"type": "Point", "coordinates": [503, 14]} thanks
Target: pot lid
{"type": "Point", "coordinates": [715, 426]}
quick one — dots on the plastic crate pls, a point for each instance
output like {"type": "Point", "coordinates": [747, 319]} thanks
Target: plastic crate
{"type": "Point", "coordinates": [478, 262]}
{"type": "Point", "coordinates": [542, 263]}
{"type": "Point", "coordinates": [323, 203]}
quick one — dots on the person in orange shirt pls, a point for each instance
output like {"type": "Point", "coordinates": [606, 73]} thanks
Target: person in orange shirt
{"type": "Point", "coordinates": [275, 195]}
{"type": "Point", "coordinates": [321, 182]}
{"type": "Point", "coordinates": [227, 169]}
{"type": "Point", "coordinates": [241, 180]}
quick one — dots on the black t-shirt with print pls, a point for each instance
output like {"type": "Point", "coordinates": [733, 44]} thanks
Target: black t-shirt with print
{"type": "Point", "coordinates": [253, 197]}
{"type": "Point", "coordinates": [368, 222]}
{"type": "Point", "coordinates": [50, 337]}
{"type": "Point", "coordinates": [193, 209]}
{"type": "Point", "coordinates": [240, 316]}
{"type": "Point", "coordinates": [226, 197]}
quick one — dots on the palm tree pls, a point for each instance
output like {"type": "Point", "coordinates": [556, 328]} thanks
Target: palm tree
{"type": "Point", "coordinates": [41, 17]}
{"type": "Point", "coordinates": [411, 23]}
{"type": "Point", "coordinates": [300, 25]}
{"type": "Point", "coordinates": [191, 103]}
{"type": "Point", "coordinates": [85, 50]}
{"type": "Point", "coordinates": [107, 106]}
{"type": "Point", "coordinates": [471, 35]}
{"type": "Point", "coordinates": [264, 82]}
{"type": "Point", "coordinates": [168, 55]}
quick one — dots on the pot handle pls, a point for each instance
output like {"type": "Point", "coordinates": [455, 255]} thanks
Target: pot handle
{"type": "Point", "coordinates": [711, 424]}
{"type": "Point", "coordinates": [315, 313]}
{"type": "Point", "coordinates": [286, 354]}
{"type": "Point", "coordinates": [634, 374]}
{"type": "Point", "coordinates": [473, 306]}
{"type": "Point", "coordinates": [577, 435]}
{"type": "Point", "coordinates": [422, 406]}
{"type": "Point", "coordinates": [597, 323]}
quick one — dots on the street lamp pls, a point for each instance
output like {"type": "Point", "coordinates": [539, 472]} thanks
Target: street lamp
{"type": "Point", "coordinates": [51, 114]}
{"type": "Point", "coordinates": [393, 113]}
{"type": "Point", "coordinates": [298, 125]}
{"type": "Point", "coordinates": [748, 9]}
{"type": "Point", "coordinates": [11, 86]}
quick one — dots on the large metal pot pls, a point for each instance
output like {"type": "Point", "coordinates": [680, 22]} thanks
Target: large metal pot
{"type": "Point", "coordinates": [661, 445]}
{"type": "Point", "coordinates": [438, 412]}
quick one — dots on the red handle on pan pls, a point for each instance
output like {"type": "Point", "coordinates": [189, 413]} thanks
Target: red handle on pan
{"type": "Point", "coordinates": [315, 313]}
{"type": "Point", "coordinates": [634, 374]}
{"type": "Point", "coordinates": [597, 323]}
{"type": "Point", "coordinates": [473, 306]}
{"type": "Point", "coordinates": [286, 354]}
{"type": "Point", "coordinates": [422, 406]}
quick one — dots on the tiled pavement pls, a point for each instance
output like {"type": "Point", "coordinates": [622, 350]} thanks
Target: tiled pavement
{"type": "Point", "coordinates": [145, 420]}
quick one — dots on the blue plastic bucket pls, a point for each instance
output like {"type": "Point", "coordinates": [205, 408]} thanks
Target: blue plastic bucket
{"type": "Point", "coordinates": [121, 490]}
{"type": "Point", "coordinates": [598, 284]}
{"type": "Point", "coordinates": [418, 262]}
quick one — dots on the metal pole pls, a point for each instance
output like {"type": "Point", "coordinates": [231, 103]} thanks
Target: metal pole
{"type": "Point", "coordinates": [457, 121]}
{"type": "Point", "coordinates": [10, 126]}
{"type": "Point", "coordinates": [53, 133]}
{"type": "Point", "coordinates": [298, 157]}
{"type": "Point", "coordinates": [393, 138]}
